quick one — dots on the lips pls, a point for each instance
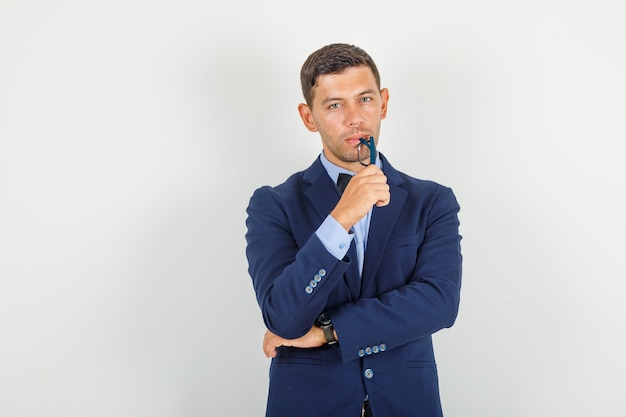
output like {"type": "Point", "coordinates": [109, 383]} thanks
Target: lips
{"type": "Point", "coordinates": [354, 140]}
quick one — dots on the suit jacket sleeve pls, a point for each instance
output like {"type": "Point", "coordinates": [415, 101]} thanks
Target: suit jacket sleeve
{"type": "Point", "coordinates": [291, 270]}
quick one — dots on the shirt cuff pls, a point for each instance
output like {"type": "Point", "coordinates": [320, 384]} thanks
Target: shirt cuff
{"type": "Point", "coordinates": [334, 237]}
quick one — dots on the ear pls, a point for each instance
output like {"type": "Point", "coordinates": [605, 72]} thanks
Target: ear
{"type": "Point", "coordinates": [307, 117]}
{"type": "Point", "coordinates": [384, 93]}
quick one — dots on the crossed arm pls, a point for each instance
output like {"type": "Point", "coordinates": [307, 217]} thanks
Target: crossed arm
{"type": "Point", "coordinates": [366, 189]}
{"type": "Point", "coordinates": [314, 338]}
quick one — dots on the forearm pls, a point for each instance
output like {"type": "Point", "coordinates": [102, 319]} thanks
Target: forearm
{"type": "Point", "coordinates": [314, 338]}
{"type": "Point", "coordinates": [292, 279]}
{"type": "Point", "coordinates": [396, 318]}
{"type": "Point", "coordinates": [418, 286]}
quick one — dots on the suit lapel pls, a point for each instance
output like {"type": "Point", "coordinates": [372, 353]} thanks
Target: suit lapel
{"type": "Point", "coordinates": [381, 225]}
{"type": "Point", "coordinates": [321, 192]}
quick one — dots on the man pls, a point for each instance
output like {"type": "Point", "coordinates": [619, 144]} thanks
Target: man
{"type": "Point", "coordinates": [352, 285]}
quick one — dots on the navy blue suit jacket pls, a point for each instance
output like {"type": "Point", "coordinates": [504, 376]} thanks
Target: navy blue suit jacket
{"type": "Point", "coordinates": [409, 289]}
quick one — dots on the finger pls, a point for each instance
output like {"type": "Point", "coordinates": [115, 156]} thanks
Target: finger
{"type": "Point", "coordinates": [267, 343]}
{"type": "Point", "coordinates": [384, 197]}
{"type": "Point", "coordinates": [269, 349]}
{"type": "Point", "coordinates": [372, 182]}
{"type": "Point", "coordinates": [266, 348]}
{"type": "Point", "coordinates": [368, 171]}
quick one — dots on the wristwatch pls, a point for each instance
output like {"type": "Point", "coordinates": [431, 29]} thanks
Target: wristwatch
{"type": "Point", "coordinates": [324, 323]}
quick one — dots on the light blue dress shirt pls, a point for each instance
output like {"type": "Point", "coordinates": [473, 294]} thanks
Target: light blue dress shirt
{"type": "Point", "coordinates": [332, 235]}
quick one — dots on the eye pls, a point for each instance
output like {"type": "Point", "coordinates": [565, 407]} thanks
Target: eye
{"type": "Point", "coordinates": [366, 99]}
{"type": "Point", "coordinates": [334, 106]}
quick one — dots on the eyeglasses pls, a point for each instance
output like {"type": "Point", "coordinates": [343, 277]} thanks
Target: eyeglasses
{"type": "Point", "coordinates": [372, 147]}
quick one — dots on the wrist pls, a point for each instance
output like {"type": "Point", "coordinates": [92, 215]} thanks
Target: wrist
{"type": "Point", "coordinates": [324, 322]}
{"type": "Point", "coordinates": [343, 221]}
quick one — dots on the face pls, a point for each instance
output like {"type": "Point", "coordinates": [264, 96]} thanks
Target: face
{"type": "Point", "coordinates": [346, 107]}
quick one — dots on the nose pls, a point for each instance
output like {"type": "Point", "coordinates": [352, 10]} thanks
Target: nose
{"type": "Point", "coordinates": [353, 116]}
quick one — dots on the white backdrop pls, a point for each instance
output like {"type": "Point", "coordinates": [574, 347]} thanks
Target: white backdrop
{"type": "Point", "coordinates": [123, 282]}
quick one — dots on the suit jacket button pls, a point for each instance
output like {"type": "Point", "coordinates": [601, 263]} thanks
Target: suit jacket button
{"type": "Point", "coordinates": [369, 374]}
{"type": "Point", "coordinates": [313, 283]}
{"type": "Point", "coordinates": [317, 277]}
{"type": "Point", "coordinates": [308, 289]}
{"type": "Point", "coordinates": [368, 350]}
{"type": "Point", "coordinates": [361, 353]}
{"type": "Point", "coordinates": [322, 272]}
{"type": "Point", "coordinates": [382, 347]}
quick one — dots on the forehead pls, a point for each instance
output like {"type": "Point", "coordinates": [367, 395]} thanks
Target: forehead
{"type": "Point", "coordinates": [353, 81]}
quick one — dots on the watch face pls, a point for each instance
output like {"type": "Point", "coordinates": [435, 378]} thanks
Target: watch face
{"type": "Point", "coordinates": [323, 319]}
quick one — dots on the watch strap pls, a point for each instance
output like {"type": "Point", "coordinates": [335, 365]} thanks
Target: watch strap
{"type": "Point", "coordinates": [329, 333]}
{"type": "Point", "coordinates": [324, 323]}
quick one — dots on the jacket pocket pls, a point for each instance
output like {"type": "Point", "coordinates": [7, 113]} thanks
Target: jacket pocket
{"type": "Point", "coordinates": [295, 356]}
{"type": "Point", "coordinates": [421, 364]}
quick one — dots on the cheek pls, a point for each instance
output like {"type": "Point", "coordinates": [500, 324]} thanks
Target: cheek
{"type": "Point", "coordinates": [328, 123]}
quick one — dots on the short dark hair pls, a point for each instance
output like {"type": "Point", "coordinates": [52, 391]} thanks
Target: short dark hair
{"type": "Point", "coordinates": [333, 59]}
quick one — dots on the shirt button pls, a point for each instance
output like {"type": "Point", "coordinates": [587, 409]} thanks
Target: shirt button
{"type": "Point", "coordinates": [369, 374]}
{"type": "Point", "coordinates": [342, 246]}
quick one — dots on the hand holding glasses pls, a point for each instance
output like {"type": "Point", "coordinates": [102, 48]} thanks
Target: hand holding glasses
{"type": "Point", "coordinates": [372, 147]}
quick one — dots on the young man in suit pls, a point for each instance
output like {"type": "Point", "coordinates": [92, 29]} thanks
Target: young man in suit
{"type": "Point", "coordinates": [352, 284]}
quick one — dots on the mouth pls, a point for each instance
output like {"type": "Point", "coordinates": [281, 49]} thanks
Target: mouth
{"type": "Point", "coordinates": [356, 139]}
